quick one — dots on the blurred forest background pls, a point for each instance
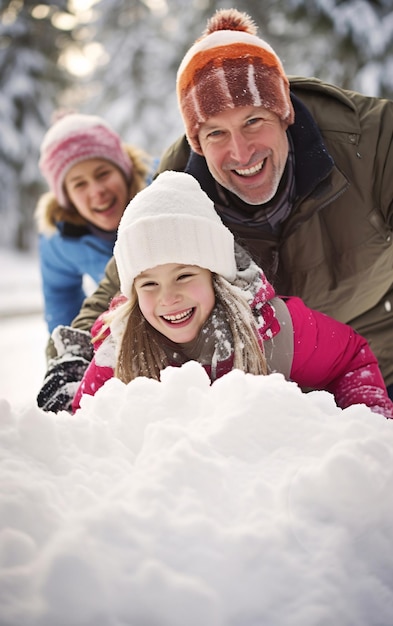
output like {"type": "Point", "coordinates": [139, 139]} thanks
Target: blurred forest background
{"type": "Point", "coordinates": [118, 59]}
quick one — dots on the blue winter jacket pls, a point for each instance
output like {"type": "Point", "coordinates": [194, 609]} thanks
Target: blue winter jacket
{"type": "Point", "coordinates": [70, 249]}
{"type": "Point", "coordinates": [65, 259]}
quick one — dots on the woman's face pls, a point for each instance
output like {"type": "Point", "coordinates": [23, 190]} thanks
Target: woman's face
{"type": "Point", "coordinates": [99, 192]}
{"type": "Point", "coordinates": [176, 299]}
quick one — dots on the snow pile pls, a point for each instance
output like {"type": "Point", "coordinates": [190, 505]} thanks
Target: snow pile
{"type": "Point", "coordinates": [179, 503]}
{"type": "Point", "coordinates": [20, 284]}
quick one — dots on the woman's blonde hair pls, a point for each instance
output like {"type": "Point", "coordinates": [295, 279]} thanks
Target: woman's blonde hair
{"type": "Point", "coordinates": [140, 353]}
{"type": "Point", "coordinates": [142, 164]}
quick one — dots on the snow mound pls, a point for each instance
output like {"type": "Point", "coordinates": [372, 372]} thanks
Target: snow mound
{"type": "Point", "coordinates": [176, 503]}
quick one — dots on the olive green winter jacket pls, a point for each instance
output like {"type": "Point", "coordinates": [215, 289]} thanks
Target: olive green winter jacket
{"type": "Point", "coordinates": [335, 250]}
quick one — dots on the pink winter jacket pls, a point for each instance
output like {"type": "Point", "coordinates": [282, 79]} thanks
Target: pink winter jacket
{"type": "Point", "coordinates": [325, 355]}
{"type": "Point", "coordinates": [330, 355]}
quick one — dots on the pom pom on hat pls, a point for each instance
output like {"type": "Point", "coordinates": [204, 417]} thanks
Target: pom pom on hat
{"type": "Point", "coordinates": [228, 67]}
{"type": "Point", "coordinates": [172, 221]}
{"type": "Point", "coordinates": [74, 138]}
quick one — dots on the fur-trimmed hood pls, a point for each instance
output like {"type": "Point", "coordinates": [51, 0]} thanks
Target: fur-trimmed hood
{"type": "Point", "coordinates": [49, 212]}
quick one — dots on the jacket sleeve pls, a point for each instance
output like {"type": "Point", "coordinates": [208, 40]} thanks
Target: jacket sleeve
{"type": "Point", "coordinates": [100, 369]}
{"type": "Point", "coordinates": [99, 301]}
{"type": "Point", "coordinates": [62, 285]}
{"type": "Point", "coordinates": [102, 365]}
{"type": "Point", "coordinates": [93, 379]}
{"type": "Point", "coordinates": [330, 355]}
{"type": "Point", "coordinates": [175, 157]}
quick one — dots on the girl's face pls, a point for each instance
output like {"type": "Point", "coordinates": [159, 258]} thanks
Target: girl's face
{"type": "Point", "coordinates": [98, 191]}
{"type": "Point", "coordinates": [176, 299]}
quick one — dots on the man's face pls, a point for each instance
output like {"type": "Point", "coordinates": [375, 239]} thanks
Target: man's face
{"type": "Point", "coordinates": [246, 149]}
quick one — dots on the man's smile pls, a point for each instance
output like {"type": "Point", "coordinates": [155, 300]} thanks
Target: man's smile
{"type": "Point", "coordinates": [251, 171]}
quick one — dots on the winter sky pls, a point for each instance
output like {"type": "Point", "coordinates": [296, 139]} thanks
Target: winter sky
{"type": "Point", "coordinates": [173, 503]}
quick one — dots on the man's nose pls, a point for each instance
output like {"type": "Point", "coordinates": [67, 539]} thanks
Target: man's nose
{"type": "Point", "coordinates": [240, 148]}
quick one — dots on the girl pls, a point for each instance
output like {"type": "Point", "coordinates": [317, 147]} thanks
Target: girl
{"type": "Point", "coordinates": [189, 294]}
{"type": "Point", "coordinates": [92, 177]}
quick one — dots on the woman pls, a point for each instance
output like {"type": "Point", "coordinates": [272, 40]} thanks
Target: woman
{"type": "Point", "coordinates": [91, 176]}
{"type": "Point", "coordinates": [187, 294]}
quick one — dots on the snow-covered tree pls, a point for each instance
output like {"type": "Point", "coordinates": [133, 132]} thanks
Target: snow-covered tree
{"type": "Point", "coordinates": [144, 42]}
{"type": "Point", "coordinates": [137, 46]}
{"type": "Point", "coordinates": [30, 81]}
{"type": "Point", "coordinates": [347, 43]}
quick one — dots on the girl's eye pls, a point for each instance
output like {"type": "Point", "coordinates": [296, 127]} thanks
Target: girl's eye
{"type": "Point", "coordinates": [183, 276]}
{"type": "Point", "coordinates": [148, 284]}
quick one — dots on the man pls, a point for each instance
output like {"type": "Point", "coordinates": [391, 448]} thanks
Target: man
{"type": "Point", "coordinates": [301, 172]}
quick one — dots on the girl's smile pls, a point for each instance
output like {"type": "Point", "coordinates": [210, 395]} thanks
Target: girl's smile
{"type": "Point", "coordinates": [176, 299]}
{"type": "Point", "coordinates": [179, 317]}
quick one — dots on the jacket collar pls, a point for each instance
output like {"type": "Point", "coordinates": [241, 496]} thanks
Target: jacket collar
{"type": "Point", "coordinates": [313, 162]}
{"type": "Point", "coordinates": [74, 231]}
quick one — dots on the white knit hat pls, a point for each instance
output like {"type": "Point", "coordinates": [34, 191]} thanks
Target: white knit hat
{"type": "Point", "coordinates": [172, 221]}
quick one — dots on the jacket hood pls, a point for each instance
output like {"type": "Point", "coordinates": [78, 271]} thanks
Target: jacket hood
{"type": "Point", "coordinates": [49, 213]}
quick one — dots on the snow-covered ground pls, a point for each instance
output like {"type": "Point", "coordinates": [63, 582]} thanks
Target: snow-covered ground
{"type": "Point", "coordinates": [23, 333]}
{"type": "Point", "coordinates": [174, 503]}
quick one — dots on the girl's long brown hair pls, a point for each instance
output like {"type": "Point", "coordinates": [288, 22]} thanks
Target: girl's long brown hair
{"type": "Point", "coordinates": [140, 353]}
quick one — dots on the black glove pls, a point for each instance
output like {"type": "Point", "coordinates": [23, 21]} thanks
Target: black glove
{"type": "Point", "coordinates": [65, 371]}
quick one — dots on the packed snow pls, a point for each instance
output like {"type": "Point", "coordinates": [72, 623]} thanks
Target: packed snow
{"type": "Point", "coordinates": [176, 503]}
{"type": "Point", "coordinates": [23, 332]}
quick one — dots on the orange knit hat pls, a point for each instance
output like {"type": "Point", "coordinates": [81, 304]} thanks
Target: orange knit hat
{"type": "Point", "coordinates": [228, 67]}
